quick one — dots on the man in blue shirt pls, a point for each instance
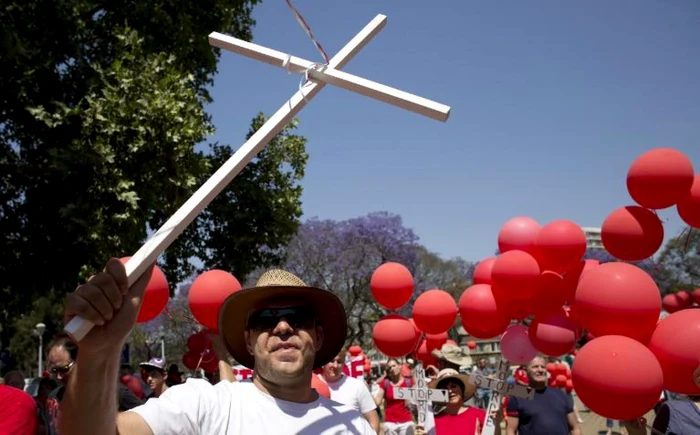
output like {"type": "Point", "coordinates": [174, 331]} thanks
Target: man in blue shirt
{"type": "Point", "coordinates": [550, 411]}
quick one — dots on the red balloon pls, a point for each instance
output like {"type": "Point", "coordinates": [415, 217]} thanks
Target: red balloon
{"type": "Point", "coordinates": [675, 344]}
{"type": "Point", "coordinates": [631, 383]}
{"type": "Point", "coordinates": [550, 294]}
{"type": "Point", "coordinates": [516, 276]}
{"type": "Point", "coordinates": [191, 359]}
{"type": "Point", "coordinates": [471, 345]}
{"type": "Point", "coordinates": [660, 178]}
{"type": "Point", "coordinates": [676, 301]}
{"type": "Point", "coordinates": [569, 386]}
{"type": "Point", "coordinates": [434, 311]}
{"type": "Point", "coordinates": [435, 341]}
{"type": "Point", "coordinates": [208, 293]}
{"type": "Point", "coordinates": [210, 365]}
{"type": "Point", "coordinates": [553, 334]}
{"type": "Point", "coordinates": [689, 206]}
{"type": "Point", "coordinates": [573, 276]}
{"type": "Point", "coordinates": [560, 369]}
{"type": "Point", "coordinates": [696, 295]}
{"type": "Point", "coordinates": [551, 367]}
{"type": "Point", "coordinates": [560, 245]}
{"type": "Point", "coordinates": [632, 233]}
{"type": "Point", "coordinates": [618, 299]}
{"type": "Point", "coordinates": [156, 297]}
{"type": "Point", "coordinates": [354, 350]}
{"type": "Point", "coordinates": [518, 233]}
{"type": "Point", "coordinates": [560, 381]}
{"type": "Point", "coordinates": [394, 336]}
{"type": "Point", "coordinates": [391, 285]}
{"type": "Point", "coordinates": [482, 272]}
{"type": "Point", "coordinates": [479, 313]}
{"type": "Point", "coordinates": [198, 342]}
{"type": "Point", "coordinates": [320, 386]}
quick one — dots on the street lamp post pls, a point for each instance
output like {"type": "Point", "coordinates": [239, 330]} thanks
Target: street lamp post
{"type": "Point", "coordinates": [40, 328]}
{"type": "Point", "coordinates": [162, 343]}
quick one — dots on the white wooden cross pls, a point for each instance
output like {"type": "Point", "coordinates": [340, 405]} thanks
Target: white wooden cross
{"type": "Point", "coordinates": [499, 388]}
{"type": "Point", "coordinates": [318, 76]}
{"type": "Point", "coordinates": [424, 397]}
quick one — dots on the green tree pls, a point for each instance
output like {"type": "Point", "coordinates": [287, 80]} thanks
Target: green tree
{"type": "Point", "coordinates": [679, 262]}
{"type": "Point", "coordinates": [102, 106]}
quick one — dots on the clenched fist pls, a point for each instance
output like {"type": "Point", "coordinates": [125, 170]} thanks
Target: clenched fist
{"type": "Point", "coordinates": [107, 301]}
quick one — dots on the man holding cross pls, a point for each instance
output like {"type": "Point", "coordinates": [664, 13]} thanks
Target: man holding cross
{"type": "Point", "coordinates": [282, 328]}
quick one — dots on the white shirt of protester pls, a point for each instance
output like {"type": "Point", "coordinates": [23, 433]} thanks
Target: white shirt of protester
{"type": "Point", "coordinates": [353, 393]}
{"type": "Point", "coordinates": [199, 408]}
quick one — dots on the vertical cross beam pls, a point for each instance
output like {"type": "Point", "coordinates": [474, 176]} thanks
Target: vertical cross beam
{"type": "Point", "coordinates": [499, 388]}
{"type": "Point", "coordinates": [423, 396]}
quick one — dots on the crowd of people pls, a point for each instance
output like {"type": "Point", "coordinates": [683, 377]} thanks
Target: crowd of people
{"type": "Point", "coordinates": [285, 331]}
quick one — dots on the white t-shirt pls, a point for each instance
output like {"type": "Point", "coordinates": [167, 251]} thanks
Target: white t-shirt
{"type": "Point", "coordinates": [199, 408]}
{"type": "Point", "coordinates": [352, 392]}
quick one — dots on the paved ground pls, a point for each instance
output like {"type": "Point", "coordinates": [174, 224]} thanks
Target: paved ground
{"type": "Point", "coordinates": [594, 424]}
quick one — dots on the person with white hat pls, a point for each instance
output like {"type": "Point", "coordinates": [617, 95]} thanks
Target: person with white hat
{"type": "Point", "coordinates": [281, 328]}
{"type": "Point", "coordinates": [455, 417]}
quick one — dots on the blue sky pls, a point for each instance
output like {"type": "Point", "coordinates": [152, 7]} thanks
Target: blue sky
{"type": "Point", "coordinates": [551, 102]}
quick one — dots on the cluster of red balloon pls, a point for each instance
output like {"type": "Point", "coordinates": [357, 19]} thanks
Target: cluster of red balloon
{"type": "Point", "coordinates": [434, 313]}
{"type": "Point", "coordinates": [681, 300]}
{"type": "Point", "coordinates": [536, 273]}
{"type": "Point", "coordinates": [658, 179]}
{"type": "Point", "coordinates": [200, 353]}
{"type": "Point", "coordinates": [560, 376]}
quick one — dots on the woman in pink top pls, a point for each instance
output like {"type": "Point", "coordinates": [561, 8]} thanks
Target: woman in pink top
{"type": "Point", "coordinates": [454, 417]}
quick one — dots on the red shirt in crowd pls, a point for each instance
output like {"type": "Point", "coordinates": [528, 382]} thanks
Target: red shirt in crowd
{"type": "Point", "coordinates": [18, 414]}
{"type": "Point", "coordinates": [395, 411]}
{"type": "Point", "coordinates": [464, 423]}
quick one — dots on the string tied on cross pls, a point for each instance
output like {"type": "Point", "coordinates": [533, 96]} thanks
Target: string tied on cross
{"type": "Point", "coordinates": [286, 64]}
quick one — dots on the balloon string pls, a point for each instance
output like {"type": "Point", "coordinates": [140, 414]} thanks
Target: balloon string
{"type": "Point", "coordinates": [307, 29]}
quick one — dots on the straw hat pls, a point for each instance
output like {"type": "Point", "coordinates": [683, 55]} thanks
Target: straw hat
{"type": "Point", "coordinates": [445, 374]}
{"type": "Point", "coordinates": [453, 354]}
{"type": "Point", "coordinates": [276, 283]}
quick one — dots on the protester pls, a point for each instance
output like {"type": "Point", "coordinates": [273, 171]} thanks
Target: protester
{"type": "Point", "coordinates": [155, 376]}
{"type": "Point", "coordinates": [62, 364]}
{"type": "Point", "coordinates": [350, 391]}
{"type": "Point", "coordinates": [483, 394]}
{"type": "Point", "coordinates": [398, 419]}
{"type": "Point", "coordinates": [451, 356]}
{"type": "Point", "coordinates": [550, 411]}
{"type": "Point", "coordinates": [455, 417]}
{"type": "Point", "coordinates": [281, 328]}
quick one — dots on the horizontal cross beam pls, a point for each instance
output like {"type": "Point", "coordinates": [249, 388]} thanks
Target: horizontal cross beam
{"type": "Point", "coordinates": [328, 74]}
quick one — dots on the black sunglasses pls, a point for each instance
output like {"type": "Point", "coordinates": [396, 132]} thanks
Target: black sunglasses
{"type": "Point", "coordinates": [302, 317]}
{"type": "Point", "coordinates": [63, 369]}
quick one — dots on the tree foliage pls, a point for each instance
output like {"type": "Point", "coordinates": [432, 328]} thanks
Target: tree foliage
{"type": "Point", "coordinates": [102, 105]}
{"type": "Point", "coordinates": [680, 262]}
{"type": "Point", "coordinates": [342, 255]}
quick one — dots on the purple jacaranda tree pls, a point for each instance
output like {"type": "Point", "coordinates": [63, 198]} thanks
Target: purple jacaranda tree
{"type": "Point", "coordinates": [173, 326]}
{"type": "Point", "coordinates": [342, 255]}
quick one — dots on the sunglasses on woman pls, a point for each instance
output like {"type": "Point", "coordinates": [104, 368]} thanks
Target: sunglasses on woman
{"type": "Point", "coordinates": [301, 317]}
{"type": "Point", "coordinates": [62, 370]}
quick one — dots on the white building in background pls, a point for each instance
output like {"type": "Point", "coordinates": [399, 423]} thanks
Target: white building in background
{"type": "Point", "coordinates": [593, 237]}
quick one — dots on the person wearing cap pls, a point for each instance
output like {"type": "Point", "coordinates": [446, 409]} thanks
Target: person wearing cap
{"type": "Point", "coordinates": [281, 328]}
{"type": "Point", "coordinates": [454, 417]}
{"type": "Point", "coordinates": [155, 376]}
